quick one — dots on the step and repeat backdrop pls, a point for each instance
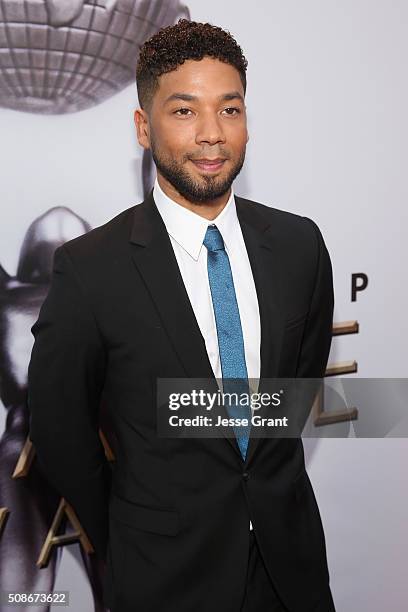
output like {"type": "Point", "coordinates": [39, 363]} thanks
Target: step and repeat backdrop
{"type": "Point", "coordinates": [326, 101]}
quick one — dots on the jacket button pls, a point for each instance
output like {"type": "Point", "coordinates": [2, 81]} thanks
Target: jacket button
{"type": "Point", "coordinates": [245, 475]}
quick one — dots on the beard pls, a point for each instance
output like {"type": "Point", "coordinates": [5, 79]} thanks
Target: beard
{"type": "Point", "coordinates": [210, 188]}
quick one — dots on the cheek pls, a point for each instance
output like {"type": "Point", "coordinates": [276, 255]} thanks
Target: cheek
{"type": "Point", "coordinates": [175, 136]}
{"type": "Point", "coordinates": [236, 132]}
{"type": "Point", "coordinates": [237, 140]}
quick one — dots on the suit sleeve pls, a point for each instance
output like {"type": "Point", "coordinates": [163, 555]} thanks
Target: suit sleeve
{"type": "Point", "coordinates": [318, 331]}
{"type": "Point", "coordinates": [65, 381]}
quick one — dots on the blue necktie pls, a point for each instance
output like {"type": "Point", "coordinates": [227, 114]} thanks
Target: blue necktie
{"type": "Point", "coordinates": [229, 330]}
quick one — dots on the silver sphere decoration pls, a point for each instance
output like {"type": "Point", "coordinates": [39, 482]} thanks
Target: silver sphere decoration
{"type": "Point", "coordinates": [62, 56]}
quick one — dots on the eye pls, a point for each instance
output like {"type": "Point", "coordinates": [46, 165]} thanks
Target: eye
{"type": "Point", "coordinates": [232, 110]}
{"type": "Point", "coordinates": [182, 112]}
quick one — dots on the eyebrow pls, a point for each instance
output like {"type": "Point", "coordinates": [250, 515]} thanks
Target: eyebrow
{"type": "Point", "coordinates": [233, 95]}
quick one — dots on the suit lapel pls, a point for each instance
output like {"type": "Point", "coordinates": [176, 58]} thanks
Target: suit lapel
{"type": "Point", "coordinates": [154, 257]}
{"type": "Point", "coordinates": [157, 265]}
{"type": "Point", "coordinates": [262, 252]}
{"type": "Point", "coordinates": [261, 248]}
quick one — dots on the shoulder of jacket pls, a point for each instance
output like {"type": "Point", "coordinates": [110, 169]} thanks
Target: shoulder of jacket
{"type": "Point", "coordinates": [284, 219]}
{"type": "Point", "coordinates": [101, 238]}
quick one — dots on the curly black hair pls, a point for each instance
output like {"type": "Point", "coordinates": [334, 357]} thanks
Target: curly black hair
{"type": "Point", "coordinates": [172, 46]}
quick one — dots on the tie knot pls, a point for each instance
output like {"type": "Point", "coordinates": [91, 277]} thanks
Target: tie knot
{"type": "Point", "coordinates": [213, 239]}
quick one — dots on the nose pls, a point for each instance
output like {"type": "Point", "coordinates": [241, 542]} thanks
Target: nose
{"type": "Point", "coordinates": [209, 129]}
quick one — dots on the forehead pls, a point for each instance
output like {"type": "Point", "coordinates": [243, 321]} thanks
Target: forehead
{"type": "Point", "coordinates": [209, 77]}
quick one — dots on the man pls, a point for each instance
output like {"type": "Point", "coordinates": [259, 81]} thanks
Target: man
{"type": "Point", "coordinates": [194, 282]}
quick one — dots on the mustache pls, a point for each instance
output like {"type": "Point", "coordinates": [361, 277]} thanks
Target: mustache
{"type": "Point", "coordinates": [207, 155]}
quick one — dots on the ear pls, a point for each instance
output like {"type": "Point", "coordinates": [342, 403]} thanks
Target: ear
{"type": "Point", "coordinates": [142, 127]}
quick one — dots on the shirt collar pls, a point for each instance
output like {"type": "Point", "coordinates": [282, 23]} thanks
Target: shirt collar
{"type": "Point", "coordinates": [188, 228]}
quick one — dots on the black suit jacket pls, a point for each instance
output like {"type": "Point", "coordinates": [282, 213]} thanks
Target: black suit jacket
{"type": "Point", "coordinates": [172, 519]}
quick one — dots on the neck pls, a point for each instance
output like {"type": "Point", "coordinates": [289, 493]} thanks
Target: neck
{"type": "Point", "coordinates": [208, 210]}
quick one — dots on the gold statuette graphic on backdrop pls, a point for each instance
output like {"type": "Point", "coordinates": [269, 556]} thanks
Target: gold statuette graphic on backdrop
{"type": "Point", "coordinates": [64, 512]}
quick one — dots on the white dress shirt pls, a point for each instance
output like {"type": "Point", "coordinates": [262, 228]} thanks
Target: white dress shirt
{"type": "Point", "coordinates": [187, 231]}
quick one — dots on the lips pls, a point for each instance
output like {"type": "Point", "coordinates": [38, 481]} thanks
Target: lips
{"type": "Point", "coordinates": [209, 165]}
